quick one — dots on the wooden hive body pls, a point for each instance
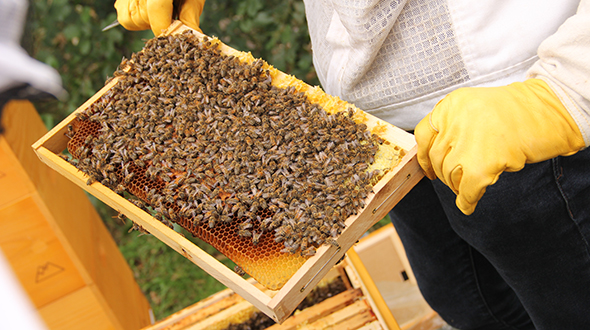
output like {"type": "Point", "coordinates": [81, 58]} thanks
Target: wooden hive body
{"type": "Point", "coordinates": [56, 242]}
{"type": "Point", "coordinates": [360, 307]}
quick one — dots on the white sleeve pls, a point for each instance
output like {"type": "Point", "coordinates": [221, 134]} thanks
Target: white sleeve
{"type": "Point", "coordinates": [564, 63]}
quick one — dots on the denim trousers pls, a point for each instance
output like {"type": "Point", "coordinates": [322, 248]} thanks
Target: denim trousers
{"type": "Point", "coordinates": [520, 261]}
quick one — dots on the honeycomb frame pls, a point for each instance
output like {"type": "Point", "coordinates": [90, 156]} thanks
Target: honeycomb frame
{"type": "Point", "coordinates": [387, 192]}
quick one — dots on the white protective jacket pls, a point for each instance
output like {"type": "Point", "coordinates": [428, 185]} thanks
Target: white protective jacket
{"type": "Point", "coordinates": [397, 58]}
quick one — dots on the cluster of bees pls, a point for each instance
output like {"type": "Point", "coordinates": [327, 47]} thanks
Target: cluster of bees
{"type": "Point", "coordinates": [208, 138]}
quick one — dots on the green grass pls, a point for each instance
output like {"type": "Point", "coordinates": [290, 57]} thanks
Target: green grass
{"type": "Point", "coordinates": [169, 281]}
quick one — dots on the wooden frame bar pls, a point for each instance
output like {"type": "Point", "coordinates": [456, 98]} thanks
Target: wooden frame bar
{"type": "Point", "coordinates": [387, 192]}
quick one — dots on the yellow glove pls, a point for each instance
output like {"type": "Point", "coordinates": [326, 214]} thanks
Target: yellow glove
{"type": "Point", "coordinates": [474, 134]}
{"type": "Point", "coordinates": [138, 15]}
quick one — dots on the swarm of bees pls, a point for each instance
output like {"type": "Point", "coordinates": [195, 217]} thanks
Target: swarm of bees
{"type": "Point", "coordinates": [204, 140]}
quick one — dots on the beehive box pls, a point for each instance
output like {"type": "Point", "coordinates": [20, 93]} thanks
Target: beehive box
{"type": "Point", "coordinates": [303, 272]}
{"type": "Point", "coordinates": [382, 270]}
{"type": "Point", "coordinates": [363, 300]}
{"type": "Point", "coordinates": [335, 303]}
{"type": "Point", "coordinates": [56, 242]}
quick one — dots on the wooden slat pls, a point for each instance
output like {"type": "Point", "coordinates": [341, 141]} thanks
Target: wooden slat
{"type": "Point", "coordinates": [350, 317]}
{"type": "Point", "coordinates": [320, 310]}
{"type": "Point", "coordinates": [78, 310]}
{"type": "Point", "coordinates": [375, 325]}
{"type": "Point", "coordinates": [236, 313]}
{"type": "Point", "coordinates": [14, 182]}
{"type": "Point", "coordinates": [217, 302]}
{"type": "Point", "coordinates": [357, 320]}
{"type": "Point", "coordinates": [370, 290]}
{"type": "Point", "coordinates": [188, 311]}
{"type": "Point", "coordinates": [192, 313]}
{"type": "Point", "coordinates": [37, 257]}
{"type": "Point", "coordinates": [199, 314]}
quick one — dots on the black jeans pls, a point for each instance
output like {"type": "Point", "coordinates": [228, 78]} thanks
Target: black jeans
{"type": "Point", "coordinates": [520, 261]}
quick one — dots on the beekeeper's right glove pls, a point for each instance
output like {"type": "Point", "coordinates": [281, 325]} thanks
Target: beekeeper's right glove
{"type": "Point", "coordinates": [475, 134]}
{"type": "Point", "coordinates": [136, 15]}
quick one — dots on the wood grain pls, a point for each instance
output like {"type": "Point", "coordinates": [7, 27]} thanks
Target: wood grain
{"type": "Point", "coordinates": [70, 220]}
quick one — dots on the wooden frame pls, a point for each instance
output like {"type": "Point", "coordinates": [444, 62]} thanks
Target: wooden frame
{"type": "Point", "coordinates": [387, 192]}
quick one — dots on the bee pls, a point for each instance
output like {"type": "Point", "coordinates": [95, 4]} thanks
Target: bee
{"type": "Point", "coordinates": [256, 237]}
{"type": "Point", "coordinates": [284, 231]}
{"type": "Point", "coordinates": [238, 270]}
{"type": "Point", "coordinates": [304, 244]}
{"type": "Point", "coordinates": [245, 225]}
{"type": "Point", "coordinates": [120, 189]}
{"type": "Point", "coordinates": [309, 252]}
{"type": "Point", "coordinates": [332, 241]}
{"type": "Point", "coordinates": [138, 203]}
{"type": "Point", "coordinates": [291, 247]}
{"type": "Point", "coordinates": [255, 206]}
{"type": "Point", "coordinates": [244, 233]}
{"type": "Point", "coordinates": [139, 162]}
{"type": "Point", "coordinates": [139, 228]}
{"type": "Point", "coordinates": [129, 177]}
{"type": "Point", "coordinates": [121, 217]}
{"type": "Point", "coordinates": [169, 198]}
{"type": "Point", "coordinates": [335, 231]}
{"type": "Point", "coordinates": [241, 211]}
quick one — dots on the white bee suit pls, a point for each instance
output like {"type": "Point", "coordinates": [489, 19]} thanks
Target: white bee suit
{"type": "Point", "coordinates": [397, 59]}
{"type": "Point", "coordinates": [16, 66]}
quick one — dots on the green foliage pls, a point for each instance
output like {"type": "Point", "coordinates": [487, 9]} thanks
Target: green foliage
{"type": "Point", "coordinates": [275, 31]}
{"type": "Point", "coordinates": [67, 35]}
{"type": "Point", "coordinates": [168, 280]}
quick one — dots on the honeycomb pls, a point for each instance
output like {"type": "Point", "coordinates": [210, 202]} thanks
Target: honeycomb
{"type": "Point", "coordinates": [263, 261]}
{"type": "Point", "coordinates": [206, 141]}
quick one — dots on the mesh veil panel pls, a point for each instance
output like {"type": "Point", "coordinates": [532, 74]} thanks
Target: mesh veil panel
{"type": "Point", "coordinates": [396, 50]}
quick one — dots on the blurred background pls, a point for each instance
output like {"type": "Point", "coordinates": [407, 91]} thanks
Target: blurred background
{"type": "Point", "coordinates": [68, 36]}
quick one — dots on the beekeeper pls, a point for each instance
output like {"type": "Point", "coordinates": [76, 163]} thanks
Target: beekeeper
{"type": "Point", "coordinates": [498, 93]}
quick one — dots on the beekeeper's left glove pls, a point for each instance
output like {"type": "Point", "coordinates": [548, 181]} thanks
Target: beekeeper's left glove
{"type": "Point", "coordinates": [138, 15]}
{"type": "Point", "coordinates": [474, 134]}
